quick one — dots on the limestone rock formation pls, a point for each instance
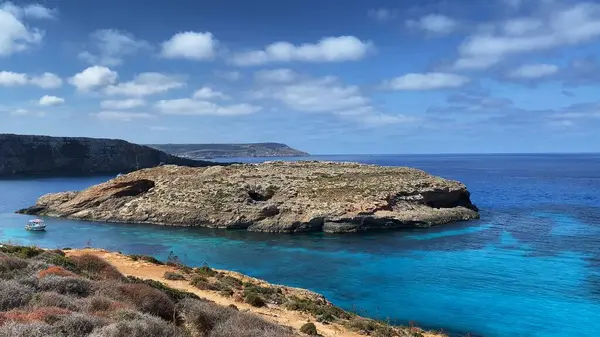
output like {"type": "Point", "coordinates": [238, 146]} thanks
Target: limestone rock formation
{"type": "Point", "coordinates": [271, 197]}
{"type": "Point", "coordinates": [48, 156]}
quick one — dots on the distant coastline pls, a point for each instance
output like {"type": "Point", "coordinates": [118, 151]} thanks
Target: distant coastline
{"type": "Point", "coordinates": [210, 151]}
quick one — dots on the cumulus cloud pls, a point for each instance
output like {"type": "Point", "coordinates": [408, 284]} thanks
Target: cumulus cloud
{"type": "Point", "coordinates": [15, 35]}
{"type": "Point", "coordinates": [533, 71]}
{"type": "Point", "coordinates": [328, 95]}
{"type": "Point", "coordinates": [196, 46]}
{"type": "Point", "coordinates": [187, 106]}
{"type": "Point", "coordinates": [51, 101]}
{"type": "Point", "coordinates": [11, 79]}
{"type": "Point", "coordinates": [382, 14]}
{"type": "Point", "coordinates": [44, 81]}
{"type": "Point", "coordinates": [145, 84]}
{"type": "Point", "coordinates": [209, 93]}
{"type": "Point", "coordinates": [276, 75]}
{"type": "Point", "coordinates": [93, 77]}
{"type": "Point", "coordinates": [110, 46]}
{"type": "Point", "coordinates": [433, 24]}
{"type": "Point", "coordinates": [122, 116]}
{"type": "Point", "coordinates": [47, 81]}
{"type": "Point", "coordinates": [329, 49]}
{"type": "Point", "coordinates": [122, 104]}
{"type": "Point", "coordinates": [31, 11]}
{"type": "Point", "coordinates": [556, 27]}
{"type": "Point", "coordinates": [426, 81]}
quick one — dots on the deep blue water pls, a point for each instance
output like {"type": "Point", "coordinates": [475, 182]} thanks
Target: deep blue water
{"type": "Point", "coordinates": [529, 267]}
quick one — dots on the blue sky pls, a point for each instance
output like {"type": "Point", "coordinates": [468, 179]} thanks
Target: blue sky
{"type": "Point", "coordinates": [326, 76]}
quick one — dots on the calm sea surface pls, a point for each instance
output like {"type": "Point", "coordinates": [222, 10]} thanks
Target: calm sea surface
{"type": "Point", "coordinates": [529, 267]}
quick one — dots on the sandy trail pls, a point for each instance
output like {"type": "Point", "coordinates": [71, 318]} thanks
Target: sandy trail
{"type": "Point", "coordinates": [146, 270]}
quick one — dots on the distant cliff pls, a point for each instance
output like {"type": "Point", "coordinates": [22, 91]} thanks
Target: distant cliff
{"type": "Point", "coordinates": [205, 151]}
{"type": "Point", "coordinates": [49, 156]}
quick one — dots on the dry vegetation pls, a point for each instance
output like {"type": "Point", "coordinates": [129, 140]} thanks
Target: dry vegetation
{"type": "Point", "coordinates": [45, 293]}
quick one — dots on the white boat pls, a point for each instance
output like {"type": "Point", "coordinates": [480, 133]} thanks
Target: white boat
{"type": "Point", "coordinates": [36, 225]}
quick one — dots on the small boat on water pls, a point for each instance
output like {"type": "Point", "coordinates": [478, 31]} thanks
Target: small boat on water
{"type": "Point", "coordinates": [36, 225]}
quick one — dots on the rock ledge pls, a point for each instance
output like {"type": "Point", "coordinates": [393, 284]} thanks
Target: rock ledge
{"type": "Point", "coordinates": [270, 197]}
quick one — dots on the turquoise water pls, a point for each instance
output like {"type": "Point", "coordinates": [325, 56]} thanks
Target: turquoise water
{"type": "Point", "coordinates": [529, 267]}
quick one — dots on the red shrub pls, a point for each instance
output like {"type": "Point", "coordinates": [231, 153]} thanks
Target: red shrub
{"type": "Point", "coordinates": [55, 270]}
{"type": "Point", "coordinates": [43, 314]}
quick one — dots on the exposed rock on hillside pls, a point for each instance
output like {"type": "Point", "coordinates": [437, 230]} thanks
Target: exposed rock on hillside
{"type": "Point", "coordinates": [43, 155]}
{"type": "Point", "coordinates": [271, 197]}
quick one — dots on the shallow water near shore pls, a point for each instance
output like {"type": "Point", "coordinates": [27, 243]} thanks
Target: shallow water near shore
{"type": "Point", "coordinates": [529, 267]}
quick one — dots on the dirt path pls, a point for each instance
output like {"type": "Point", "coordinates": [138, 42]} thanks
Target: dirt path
{"type": "Point", "coordinates": [146, 270]}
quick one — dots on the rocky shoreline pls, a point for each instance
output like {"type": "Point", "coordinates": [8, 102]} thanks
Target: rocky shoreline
{"type": "Point", "coordinates": [304, 196]}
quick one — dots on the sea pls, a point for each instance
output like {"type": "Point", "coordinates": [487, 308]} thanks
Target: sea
{"type": "Point", "coordinates": [529, 267]}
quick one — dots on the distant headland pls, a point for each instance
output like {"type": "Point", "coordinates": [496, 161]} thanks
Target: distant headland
{"type": "Point", "coordinates": [208, 151]}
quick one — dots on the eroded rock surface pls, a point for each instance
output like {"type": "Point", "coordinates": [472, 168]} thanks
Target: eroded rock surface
{"type": "Point", "coordinates": [270, 197]}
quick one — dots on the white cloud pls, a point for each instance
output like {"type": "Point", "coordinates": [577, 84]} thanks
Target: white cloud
{"type": "Point", "coordinates": [232, 76]}
{"type": "Point", "coordinates": [25, 112]}
{"type": "Point", "coordinates": [112, 46]}
{"type": "Point", "coordinates": [51, 101]}
{"type": "Point", "coordinates": [329, 49]}
{"type": "Point", "coordinates": [47, 81]}
{"type": "Point", "coordinates": [187, 106]}
{"type": "Point", "coordinates": [328, 95]}
{"type": "Point", "coordinates": [434, 24]}
{"type": "Point", "coordinates": [426, 81]}
{"type": "Point", "coordinates": [166, 128]}
{"type": "Point", "coordinates": [209, 93]}
{"type": "Point", "coordinates": [121, 116]}
{"type": "Point", "coordinates": [93, 78]}
{"type": "Point", "coordinates": [382, 14]}
{"type": "Point", "coordinates": [15, 36]}
{"type": "Point", "coordinates": [190, 45]}
{"type": "Point", "coordinates": [533, 71]}
{"type": "Point", "coordinates": [558, 26]}
{"type": "Point", "coordinates": [31, 11]}
{"type": "Point", "coordinates": [276, 75]}
{"type": "Point", "coordinates": [11, 79]}
{"type": "Point", "coordinates": [122, 104]}
{"type": "Point", "coordinates": [146, 84]}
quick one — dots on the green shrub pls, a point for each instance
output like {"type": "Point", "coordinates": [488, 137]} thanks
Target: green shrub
{"type": "Point", "coordinates": [14, 295]}
{"type": "Point", "coordinates": [21, 251]}
{"type": "Point", "coordinates": [254, 300]}
{"type": "Point", "coordinates": [325, 312]}
{"type": "Point", "coordinates": [175, 294]}
{"type": "Point", "coordinates": [66, 285]}
{"type": "Point", "coordinates": [173, 276]}
{"type": "Point", "coordinates": [309, 329]}
{"type": "Point", "coordinates": [231, 281]}
{"type": "Point", "coordinates": [205, 271]}
{"type": "Point", "coordinates": [147, 258]}
{"type": "Point", "coordinates": [65, 262]}
{"type": "Point", "coordinates": [202, 283]}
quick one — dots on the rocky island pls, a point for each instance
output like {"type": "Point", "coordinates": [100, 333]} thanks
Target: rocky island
{"type": "Point", "coordinates": [305, 196]}
{"type": "Point", "coordinates": [208, 151]}
{"type": "Point", "coordinates": [24, 155]}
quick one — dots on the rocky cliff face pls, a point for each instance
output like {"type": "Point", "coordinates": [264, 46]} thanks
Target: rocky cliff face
{"type": "Point", "coordinates": [270, 197]}
{"type": "Point", "coordinates": [205, 151]}
{"type": "Point", "coordinates": [42, 155]}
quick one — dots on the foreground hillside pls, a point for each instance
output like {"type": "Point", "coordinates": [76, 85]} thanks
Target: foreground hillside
{"type": "Point", "coordinates": [101, 294]}
{"type": "Point", "coordinates": [49, 156]}
{"type": "Point", "coordinates": [207, 151]}
{"type": "Point", "coordinates": [270, 197]}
